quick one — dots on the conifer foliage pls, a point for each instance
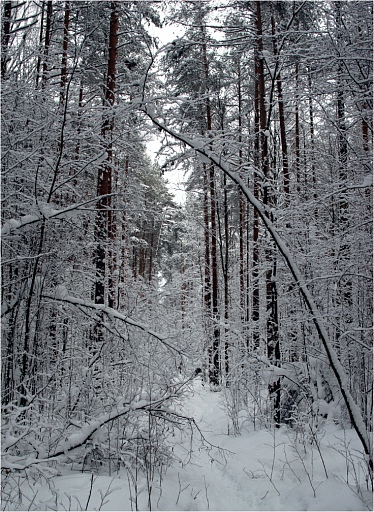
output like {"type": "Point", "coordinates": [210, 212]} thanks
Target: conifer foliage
{"type": "Point", "coordinates": [112, 294]}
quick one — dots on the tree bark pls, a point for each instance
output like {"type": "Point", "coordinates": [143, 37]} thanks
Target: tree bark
{"type": "Point", "coordinates": [297, 131]}
{"type": "Point", "coordinates": [269, 199]}
{"type": "Point", "coordinates": [41, 32]}
{"type": "Point", "coordinates": [226, 276]}
{"type": "Point", "coordinates": [255, 234]}
{"type": "Point", "coordinates": [103, 227]}
{"type": "Point", "coordinates": [207, 267]}
{"type": "Point", "coordinates": [282, 124]}
{"type": "Point", "coordinates": [214, 346]}
{"type": "Point", "coordinates": [47, 42]}
{"type": "Point", "coordinates": [5, 37]}
{"type": "Point", "coordinates": [64, 59]}
{"type": "Point", "coordinates": [242, 222]}
{"type": "Point", "coordinates": [312, 141]}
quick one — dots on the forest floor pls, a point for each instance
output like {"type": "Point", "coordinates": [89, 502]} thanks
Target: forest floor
{"type": "Point", "coordinates": [256, 470]}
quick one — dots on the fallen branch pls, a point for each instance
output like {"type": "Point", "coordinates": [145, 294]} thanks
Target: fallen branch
{"type": "Point", "coordinates": [80, 437]}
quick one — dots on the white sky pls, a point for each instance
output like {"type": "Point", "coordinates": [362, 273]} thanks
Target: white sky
{"type": "Point", "coordinates": [176, 176]}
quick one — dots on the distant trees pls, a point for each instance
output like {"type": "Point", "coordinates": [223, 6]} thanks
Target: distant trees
{"type": "Point", "coordinates": [79, 199]}
{"type": "Point", "coordinates": [309, 175]}
{"type": "Point", "coordinates": [110, 290]}
{"type": "Point", "coordinates": [190, 70]}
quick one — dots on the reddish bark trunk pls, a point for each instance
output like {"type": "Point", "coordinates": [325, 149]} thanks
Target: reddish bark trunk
{"type": "Point", "coordinates": [214, 347]}
{"type": "Point", "coordinates": [104, 221]}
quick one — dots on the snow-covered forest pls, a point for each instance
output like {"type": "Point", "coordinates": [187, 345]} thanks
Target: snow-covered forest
{"type": "Point", "coordinates": [208, 354]}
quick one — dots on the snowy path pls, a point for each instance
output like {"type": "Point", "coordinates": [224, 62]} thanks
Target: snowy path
{"type": "Point", "coordinates": [263, 471]}
{"type": "Point", "coordinates": [208, 475]}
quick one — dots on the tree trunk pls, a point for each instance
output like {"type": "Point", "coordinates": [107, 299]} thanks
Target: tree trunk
{"type": "Point", "coordinates": [103, 227]}
{"type": "Point", "coordinates": [5, 37]}
{"type": "Point", "coordinates": [207, 268]}
{"type": "Point", "coordinates": [297, 131]}
{"type": "Point", "coordinates": [78, 145]}
{"type": "Point", "coordinates": [255, 237]}
{"type": "Point", "coordinates": [125, 244]}
{"type": "Point", "coordinates": [47, 42]}
{"type": "Point", "coordinates": [25, 381]}
{"type": "Point", "coordinates": [312, 141]}
{"type": "Point", "coordinates": [64, 59]}
{"type": "Point", "coordinates": [41, 32]}
{"type": "Point", "coordinates": [242, 279]}
{"type": "Point", "coordinates": [269, 199]}
{"type": "Point", "coordinates": [282, 124]}
{"type": "Point", "coordinates": [214, 345]}
{"type": "Point", "coordinates": [214, 378]}
{"type": "Point", "coordinates": [151, 249]}
{"type": "Point", "coordinates": [344, 285]}
{"type": "Point", "coordinates": [226, 276]}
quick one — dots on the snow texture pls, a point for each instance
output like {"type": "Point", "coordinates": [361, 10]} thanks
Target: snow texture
{"type": "Point", "coordinates": [259, 470]}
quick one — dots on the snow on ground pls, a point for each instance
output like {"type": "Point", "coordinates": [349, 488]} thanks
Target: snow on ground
{"type": "Point", "coordinates": [260, 470]}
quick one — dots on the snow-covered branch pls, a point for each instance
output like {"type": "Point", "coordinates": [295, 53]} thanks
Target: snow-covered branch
{"type": "Point", "coordinates": [46, 212]}
{"type": "Point", "coordinates": [61, 294]}
{"type": "Point", "coordinates": [352, 407]}
{"type": "Point", "coordinates": [84, 433]}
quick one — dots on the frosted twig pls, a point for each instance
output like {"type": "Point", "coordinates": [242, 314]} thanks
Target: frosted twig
{"type": "Point", "coordinates": [269, 477]}
{"type": "Point", "coordinates": [206, 492]}
{"type": "Point", "coordinates": [180, 489]}
{"type": "Point", "coordinates": [90, 492]}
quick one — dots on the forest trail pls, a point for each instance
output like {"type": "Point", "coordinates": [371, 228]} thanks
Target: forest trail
{"type": "Point", "coordinates": [256, 470]}
{"type": "Point", "coordinates": [212, 483]}
{"type": "Point", "coordinates": [114, 291]}
{"type": "Point", "coordinates": [261, 470]}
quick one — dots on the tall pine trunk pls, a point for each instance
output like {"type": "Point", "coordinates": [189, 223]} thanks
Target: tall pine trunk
{"type": "Point", "coordinates": [103, 226]}
{"type": "Point", "coordinates": [214, 370]}
{"type": "Point", "coordinates": [269, 199]}
{"type": "Point", "coordinates": [47, 42]}
{"type": "Point", "coordinates": [64, 59]}
{"type": "Point", "coordinates": [282, 123]}
{"type": "Point", "coordinates": [5, 38]}
{"type": "Point", "coordinates": [242, 225]}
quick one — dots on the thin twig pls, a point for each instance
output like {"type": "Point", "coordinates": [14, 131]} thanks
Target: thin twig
{"type": "Point", "coordinates": [89, 495]}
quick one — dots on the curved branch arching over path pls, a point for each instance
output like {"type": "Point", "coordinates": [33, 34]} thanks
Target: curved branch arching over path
{"type": "Point", "coordinates": [339, 372]}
